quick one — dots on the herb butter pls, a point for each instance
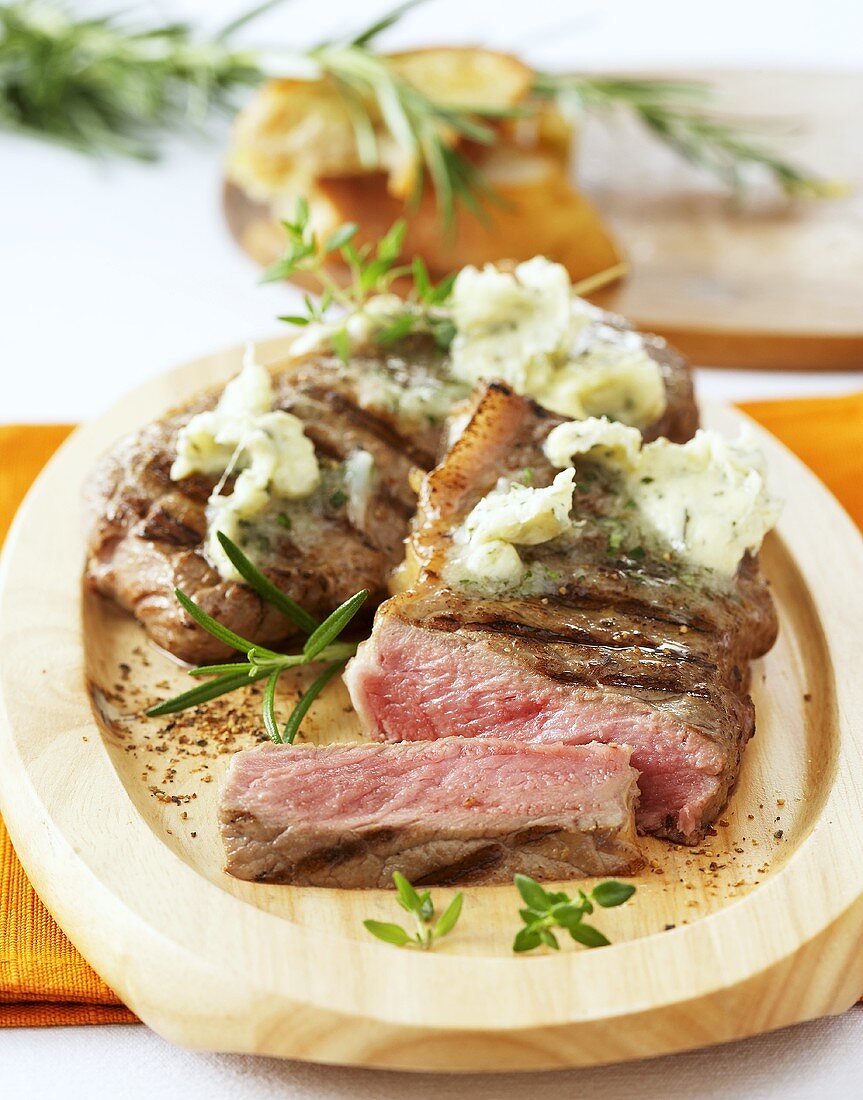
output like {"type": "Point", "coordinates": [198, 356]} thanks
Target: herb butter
{"type": "Point", "coordinates": [527, 328]}
{"type": "Point", "coordinates": [707, 499]}
{"type": "Point", "coordinates": [484, 546]}
{"type": "Point", "coordinates": [244, 433]}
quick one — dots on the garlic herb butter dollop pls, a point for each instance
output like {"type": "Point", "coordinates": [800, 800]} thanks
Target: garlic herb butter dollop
{"type": "Point", "coordinates": [484, 546]}
{"type": "Point", "coordinates": [244, 433]}
{"type": "Point", "coordinates": [528, 328]}
{"type": "Point", "coordinates": [524, 326]}
{"type": "Point", "coordinates": [707, 499]}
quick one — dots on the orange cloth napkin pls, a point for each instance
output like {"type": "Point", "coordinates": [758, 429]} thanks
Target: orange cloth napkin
{"type": "Point", "coordinates": [43, 979]}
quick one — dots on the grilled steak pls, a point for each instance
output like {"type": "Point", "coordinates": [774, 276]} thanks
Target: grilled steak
{"type": "Point", "coordinates": [637, 652]}
{"type": "Point", "coordinates": [443, 813]}
{"type": "Point", "coordinates": [147, 531]}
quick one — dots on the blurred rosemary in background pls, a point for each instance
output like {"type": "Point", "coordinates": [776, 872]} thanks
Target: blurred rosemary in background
{"type": "Point", "coordinates": [107, 86]}
{"type": "Point", "coordinates": [103, 85]}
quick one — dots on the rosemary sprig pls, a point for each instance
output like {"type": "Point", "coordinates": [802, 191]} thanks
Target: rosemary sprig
{"type": "Point", "coordinates": [372, 271]}
{"type": "Point", "coordinates": [261, 663]}
{"type": "Point", "coordinates": [678, 113]}
{"type": "Point", "coordinates": [102, 85]}
{"type": "Point", "coordinates": [546, 911]}
{"type": "Point", "coordinates": [424, 130]}
{"type": "Point", "coordinates": [428, 931]}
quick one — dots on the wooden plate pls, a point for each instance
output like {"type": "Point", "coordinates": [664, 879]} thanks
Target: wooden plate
{"type": "Point", "coordinates": [114, 819]}
{"type": "Point", "coordinates": [764, 285]}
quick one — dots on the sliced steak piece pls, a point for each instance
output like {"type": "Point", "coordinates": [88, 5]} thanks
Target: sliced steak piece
{"type": "Point", "coordinates": [442, 813]}
{"type": "Point", "coordinates": [638, 652]}
{"type": "Point", "coordinates": [146, 531]}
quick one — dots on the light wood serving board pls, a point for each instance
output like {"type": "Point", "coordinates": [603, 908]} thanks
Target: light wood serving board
{"type": "Point", "coordinates": [765, 284]}
{"type": "Point", "coordinates": [114, 818]}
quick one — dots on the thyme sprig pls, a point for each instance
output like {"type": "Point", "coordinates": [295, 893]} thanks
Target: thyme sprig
{"type": "Point", "coordinates": [678, 112]}
{"type": "Point", "coordinates": [548, 910]}
{"type": "Point", "coordinates": [372, 270]}
{"type": "Point", "coordinates": [428, 931]}
{"type": "Point", "coordinates": [321, 646]}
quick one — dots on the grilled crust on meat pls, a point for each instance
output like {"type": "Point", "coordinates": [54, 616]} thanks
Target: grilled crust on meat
{"type": "Point", "coordinates": [146, 532]}
{"type": "Point", "coordinates": [546, 849]}
{"type": "Point", "coordinates": [674, 647]}
{"type": "Point", "coordinates": [273, 833]}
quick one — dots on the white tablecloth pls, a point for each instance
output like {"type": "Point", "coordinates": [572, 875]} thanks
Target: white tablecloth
{"type": "Point", "coordinates": [111, 273]}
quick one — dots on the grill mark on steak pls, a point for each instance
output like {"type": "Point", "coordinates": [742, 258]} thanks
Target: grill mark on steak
{"type": "Point", "coordinates": [469, 868]}
{"type": "Point", "coordinates": [630, 652]}
{"type": "Point", "coordinates": [572, 636]}
{"type": "Point", "coordinates": [382, 429]}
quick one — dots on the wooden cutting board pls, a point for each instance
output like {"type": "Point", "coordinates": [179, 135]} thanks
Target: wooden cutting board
{"type": "Point", "coordinates": [769, 284]}
{"type": "Point", "coordinates": [114, 818]}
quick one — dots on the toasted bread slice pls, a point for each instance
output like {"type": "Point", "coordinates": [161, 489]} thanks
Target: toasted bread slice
{"type": "Point", "coordinates": [298, 138]}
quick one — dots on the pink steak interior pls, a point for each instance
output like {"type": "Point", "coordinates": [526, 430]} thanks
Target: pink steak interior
{"type": "Point", "coordinates": [410, 683]}
{"type": "Point", "coordinates": [358, 785]}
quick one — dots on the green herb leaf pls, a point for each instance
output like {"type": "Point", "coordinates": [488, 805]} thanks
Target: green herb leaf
{"type": "Point", "coordinates": [389, 933]}
{"type": "Point", "coordinates": [408, 898]}
{"type": "Point", "coordinates": [420, 905]}
{"type": "Point", "coordinates": [342, 344]}
{"type": "Point", "coordinates": [535, 896]}
{"type": "Point", "coordinates": [365, 37]}
{"type": "Point", "coordinates": [396, 331]}
{"type": "Point", "coordinates": [449, 917]}
{"type": "Point", "coordinates": [611, 893]}
{"type": "Point", "coordinates": [270, 724]}
{"type": "Point", "coordinates": [426, 905]}
{"type": "Point", "coordinates": [567, 914]}
{"type": "Point", "coordinates": [265, 587]}
{"type": "Point", "coordinates": [340, 237]}
{"type": "Point", "coordinates": [333, 625]}
{"type": "Point", "coordinates": [526, 939]}
{"type": "Point", "coordinates": [678, 113]}
{"type": "Point", "coordinates": [212, 626]}
{"type": "Point", "coordinates": [108, 86]}
{"type": "Point", "coordinates": [549, 939]}
{"type": "Point", "coordinates": [292, 726]}
{"type": "Point", "coordinates": [265, 663]}
{"type": "Point", "coordinates": [203, 693]}
{"type": "Point", "coordinates": [219, 670]}
{"type": "Point", "coordinates": [589, 936]}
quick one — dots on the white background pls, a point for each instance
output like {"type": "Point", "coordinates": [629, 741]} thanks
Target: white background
{"type": "Point", "coordinates": [110, 273]}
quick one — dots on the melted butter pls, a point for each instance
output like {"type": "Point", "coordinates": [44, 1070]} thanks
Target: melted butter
{"type": "Point", "coordinates": [526, 328]}
{"type": "Point", "coordinates": [484, 550]}
{"type": "Point", "coordinates": [269, 447]}
{"type": "Point", "coordinates": [706, 499]}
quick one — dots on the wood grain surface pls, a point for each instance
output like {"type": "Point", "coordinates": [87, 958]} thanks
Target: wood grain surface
{"type": "Point", "coordinates": [765, 283]}
{"type": "Point", "coordinates": [113, 816]}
